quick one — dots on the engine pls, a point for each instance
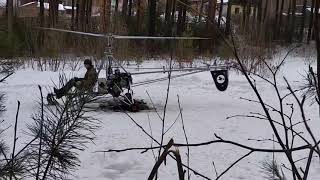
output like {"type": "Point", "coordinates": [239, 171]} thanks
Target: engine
{"type": "Point", "coordinates": [115, 84]}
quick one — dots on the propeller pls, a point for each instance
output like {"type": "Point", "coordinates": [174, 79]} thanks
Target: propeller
{"type": "Point", "coordinates": [126, 37]}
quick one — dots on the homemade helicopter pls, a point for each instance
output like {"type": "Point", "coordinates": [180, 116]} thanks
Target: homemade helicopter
{"type": "Point", "coordinates": [119, 84]}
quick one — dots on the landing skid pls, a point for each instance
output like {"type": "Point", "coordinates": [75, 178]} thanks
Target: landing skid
{"type": "Point", "coordinates": [122, 103]}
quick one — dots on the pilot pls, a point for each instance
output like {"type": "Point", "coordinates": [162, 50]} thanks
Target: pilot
{"type": "Point", "coordinates": [83, 84]}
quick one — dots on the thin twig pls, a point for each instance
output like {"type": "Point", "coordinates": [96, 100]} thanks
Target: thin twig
{"type": "Point", "coordinates": [237, 161]}
{"type": "Point", "coordinates": [4, 78]}
{"type": "Point", "coordinates": [185, 135]}
{"type": "Point", "coordinates": [14, 142]}
{"type": "Point", "coordinates": [215, 169]}
{"type": "Point", "coordinates": [40, 135]}
{"type": "Point", "coordinates": [165, 105]}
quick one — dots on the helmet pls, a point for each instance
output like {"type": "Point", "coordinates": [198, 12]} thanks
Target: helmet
{"type": "Point", "coordinates": [88, 62]}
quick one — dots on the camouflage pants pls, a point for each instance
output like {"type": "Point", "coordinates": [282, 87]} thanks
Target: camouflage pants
{"type": "Point", "coordinates": [69, 85]}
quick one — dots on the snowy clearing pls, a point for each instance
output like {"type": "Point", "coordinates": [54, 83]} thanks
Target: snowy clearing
{"type": "Point", "coordinates": [205, 112]}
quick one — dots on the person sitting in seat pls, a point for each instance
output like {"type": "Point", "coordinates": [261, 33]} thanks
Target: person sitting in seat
{"type": "Point", "coordinates": [83, 84]}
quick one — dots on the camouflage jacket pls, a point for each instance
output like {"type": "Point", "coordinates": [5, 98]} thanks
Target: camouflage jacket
{"type": "Point", "coordinates": [90, 79]}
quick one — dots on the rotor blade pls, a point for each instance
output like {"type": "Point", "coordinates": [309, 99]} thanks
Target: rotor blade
{"type": "Point", "coordinates": [75, 32]}
{"type": "Point", "coordinates": [124, 37]}
{"type": "Point", "coordinates": [159, 38]}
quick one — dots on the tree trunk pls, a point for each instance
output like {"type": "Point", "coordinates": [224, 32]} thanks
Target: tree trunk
{"type": "Point", "coordinates": [210, 8]}
{"type": "Point", "coordinates": [130, 9]}
{"type": "Point", "coordinates": [279, 32]}
{"type": "Point", "coordinates": [220, 13]}
{"type": "Point", "coordinates": [304, 10]}
{"type": "Point", "coordinates": [124, 8]}
{"type": "Point", "coordinates": [53, 12]}
{"type": "Point", "coordinates": [182, 13]}
{"type": "Point", "coordinates": [116, 6]}
{"type": "Point", "coordinates": [152, 17]}
{"type": "Point", "coordinates": [265, 13]}
{"type": "Point", "coordinates": [10, 20]}
{"type": "Point", "coordinates": [179, 23]}
{"type": "Point", "coordinates": [201, 11]}
{"type": "Point", "coordinates": [88, 13]}
{"type": "Point", "coordinates": [50, 13]}
{"type": "Point", "coordinates": [228, 20]}
{"type": "Point", "coordinates": [260, 11]}
{"type": "Point", "coordinates": [311, 22]}
{"type": "Point", "coordinates": [168, 12]}
{"type": "Point", "coordinates": [103, 16]}
{"type": "Point", "coordinates": [317, 38]}
{"type": "Point", "coordinates": [108, 16]}
{"type": "Point", "coordinates": [41, 17]}
{"type": "Point", "coordinates": [288, 30]}
{"type": "Point", "coordinates": [139, 15]}
{"type": "Point", "coordinates": [254, 18]}
{"type": "Point", "coordinates": [41, 14]}
{"type": "Point", "coordinates": [276, 20]}
{"type": "Point", "coordinates": [211, 14]}
{"type": "Point", "coordinates": [293, 20]}
{"type": "Point", "coordinates": [244, 15]}
{"type": "Point", "coordinates": [56, 15]}
{"type": "Point", "coordinates": [82, 14]}
{"type": "Point", "coordinates": [72, 14]}
{"type": "Point", "coordinates": [77, 15]}
{"type": "Point", "coordinates": [172, 20]}
{"type": "Point", "coordinates": [184, 16]}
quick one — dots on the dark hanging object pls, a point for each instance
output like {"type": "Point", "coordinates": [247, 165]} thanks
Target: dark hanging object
{"type": "Point", "coordinates": [221, 79]}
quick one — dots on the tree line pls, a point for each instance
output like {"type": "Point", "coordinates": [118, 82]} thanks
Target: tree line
{"type": "Point", "coordinates": [259, 20]}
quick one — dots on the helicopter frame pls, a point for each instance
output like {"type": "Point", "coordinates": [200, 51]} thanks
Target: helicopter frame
{"type": "Point", "coordinates": [119, 85]}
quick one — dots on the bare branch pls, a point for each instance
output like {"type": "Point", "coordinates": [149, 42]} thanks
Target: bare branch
{"type": "Point", "coordinates": [234, 163]}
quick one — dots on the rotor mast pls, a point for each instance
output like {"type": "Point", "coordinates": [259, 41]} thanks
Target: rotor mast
{"type": "Point", "coordinates": [109, 56]}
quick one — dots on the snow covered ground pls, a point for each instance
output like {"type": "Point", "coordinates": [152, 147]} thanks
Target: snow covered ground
{"type": "Point", "coordinates": [205, 112]}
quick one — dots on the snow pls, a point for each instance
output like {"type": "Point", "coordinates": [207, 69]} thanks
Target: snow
{"type": "Point", "coordinates": [224, 1]}
{"type": "Point", "coordinates": [46, 5]}
{"type": "Point", "coordinates": [297, 14]}
{"type": "Point", "coordinates": [205, 112]}
{"type": "Point", "coordinates": [3, 3]}
{"type": "Point", "coordinates": [309, 9]}
{"type": "Point", "coordinates": [69, 7]}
